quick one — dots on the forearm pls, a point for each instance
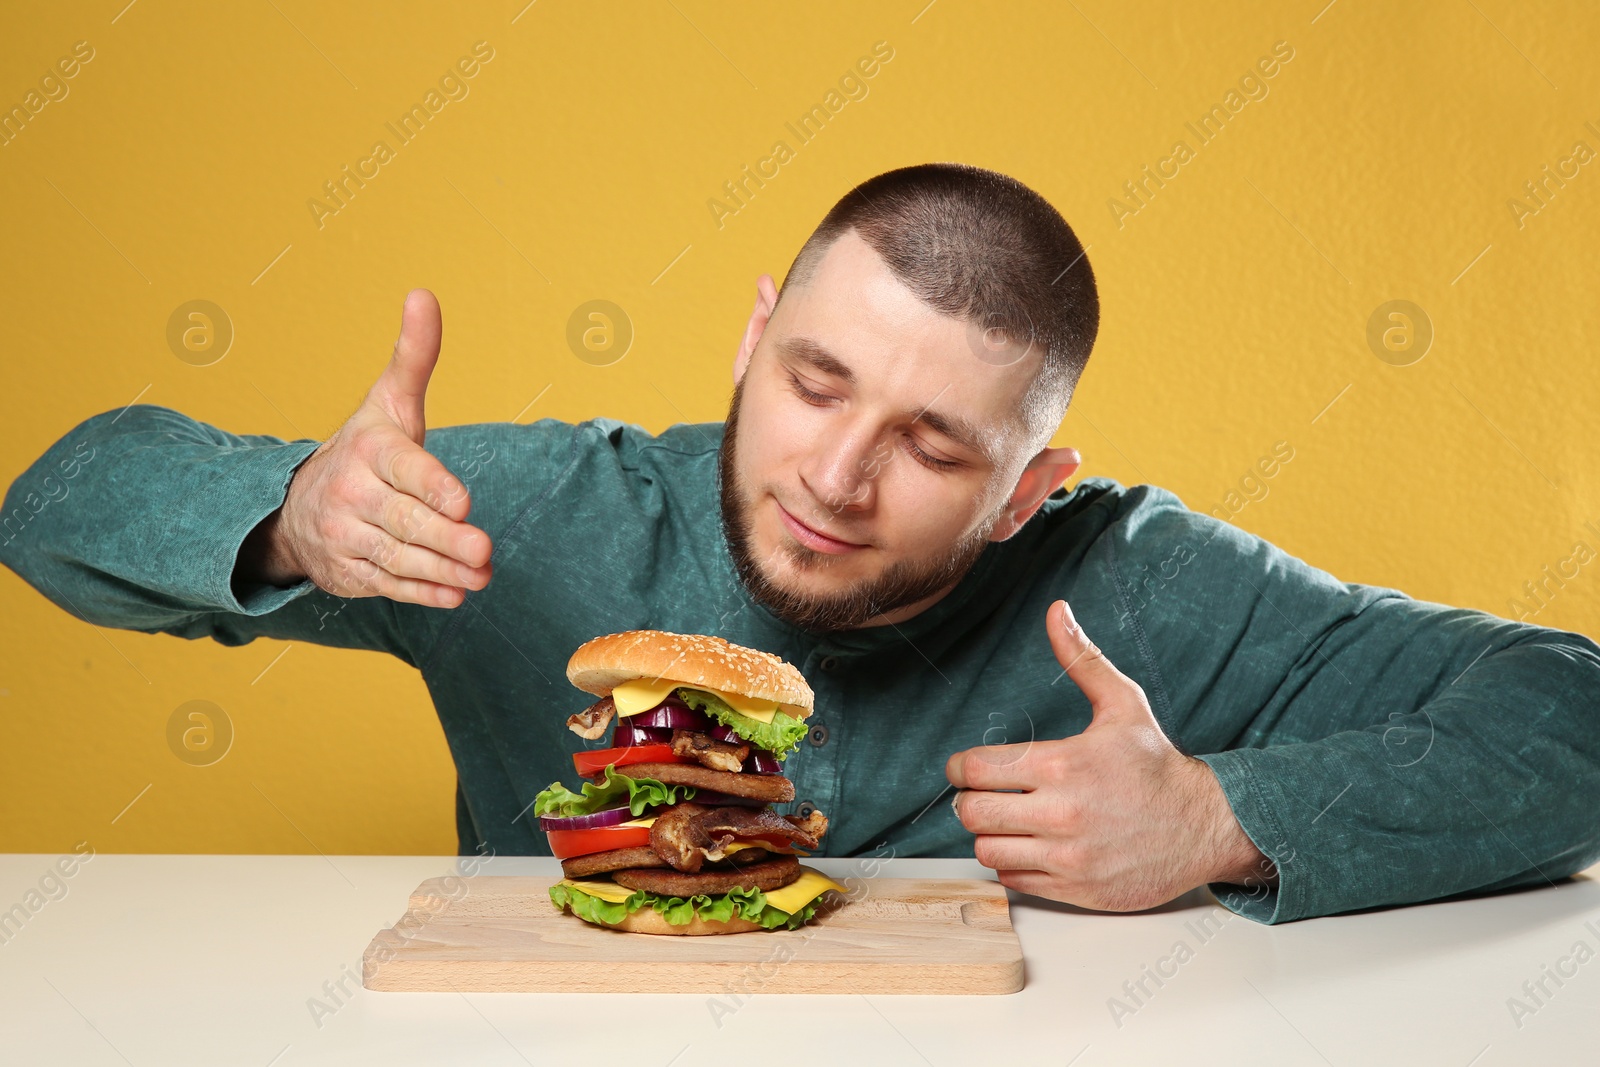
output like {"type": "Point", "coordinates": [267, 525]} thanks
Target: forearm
{"type": "Point", "coordinates": [134, 519]}
{"type": "Point", "coordinates": [1492, 783]}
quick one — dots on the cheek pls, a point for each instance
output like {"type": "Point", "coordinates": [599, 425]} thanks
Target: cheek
{"type": "Point", "coordinates": [922, 512]}
{"type": "Point", "coordinates": [778, 432]}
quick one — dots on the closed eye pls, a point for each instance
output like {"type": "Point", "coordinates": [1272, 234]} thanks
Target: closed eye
{"type": "Point", "coordinates": [808, 395]}
{"type": "Point", "coordinates": [931, 461]}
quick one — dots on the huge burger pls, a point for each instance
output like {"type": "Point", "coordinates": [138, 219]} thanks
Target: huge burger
{"type": "Point", "coordinates": [674, 831]}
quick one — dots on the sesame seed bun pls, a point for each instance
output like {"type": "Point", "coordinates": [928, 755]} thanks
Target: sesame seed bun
{"type": "Point", "coordinates": [696, 660]}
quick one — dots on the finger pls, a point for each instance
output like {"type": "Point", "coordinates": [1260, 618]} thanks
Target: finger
{"type": "Point", "coordinates": [1006, 852]}
{"type": "Point", "coordinates": [414, 470]}
{"type": "Point", "coordinates": [992, 767]}
{"type": "Point", "coordinates": [404, 383]}
{"type": "Point", "coordinates": [416, 561]}
{"type": "Point", "coordinates": [984, 812]}
{"type": "Point", "coordinates": [1034, 883]}
{"type": "Point", "coordinates": [1081, 658]}
{"type": "Point", "coordinates": [409, 520]}
{"type": "Point", "coordinates": [361, 577]}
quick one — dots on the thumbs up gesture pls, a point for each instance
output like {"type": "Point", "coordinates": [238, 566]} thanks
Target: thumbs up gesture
{"type": "Point", "coordinates": [370, 512]}
{"type": "Point", "coordinates": [1115, 818]}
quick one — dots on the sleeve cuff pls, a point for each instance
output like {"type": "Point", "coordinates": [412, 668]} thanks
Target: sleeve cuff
{"type": "Point", "coordinates": [1262, 903]}
{"type": "Point", "coordinates": [261, 475]}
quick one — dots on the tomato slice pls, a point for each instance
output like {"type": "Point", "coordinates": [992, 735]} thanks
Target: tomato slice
{"type": "Point", "coordinates": [770, 841]}
{"type": "Point", "coordinates": [565, 844]}
{"type": "Point", "coordinates": [592, 764]}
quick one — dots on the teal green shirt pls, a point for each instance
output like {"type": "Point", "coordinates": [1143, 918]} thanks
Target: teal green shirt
{"type": "Point", "coordinates": [1382, 750]}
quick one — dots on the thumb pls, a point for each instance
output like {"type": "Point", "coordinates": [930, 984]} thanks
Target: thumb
{"type": "Point", "coordinates": [1085, 664]}
{"type": "Point", "coordinates": [402, 387]}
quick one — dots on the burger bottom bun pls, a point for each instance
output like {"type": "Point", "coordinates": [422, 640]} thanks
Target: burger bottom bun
{"type": "Point", "coordinates": [650, 921]}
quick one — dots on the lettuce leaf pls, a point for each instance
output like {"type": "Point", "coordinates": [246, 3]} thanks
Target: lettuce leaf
{"type": "Point", "coordinates": [560, 801]}
{"type": "Point", "coordinates": [779, 736]}
{"type": "Point", "coordinates": [742, 903]}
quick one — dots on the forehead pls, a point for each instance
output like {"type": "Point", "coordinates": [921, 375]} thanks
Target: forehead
{"type": "Point", "coordinates": [900, 350]}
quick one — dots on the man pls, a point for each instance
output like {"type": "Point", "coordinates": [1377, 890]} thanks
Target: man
{"type": "Point", "coordinates": [881, 508]}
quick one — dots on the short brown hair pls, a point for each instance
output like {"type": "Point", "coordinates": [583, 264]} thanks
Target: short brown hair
{"type": "Point", "coordinates": [985, 248]}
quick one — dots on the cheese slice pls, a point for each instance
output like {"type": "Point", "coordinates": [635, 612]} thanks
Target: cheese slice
{"type": "Point", "coordinates": [642, 694]}
{"type": "Point", "coordinates": [604, 890]}
{"type": "Point", "coordinates": [811, 884]}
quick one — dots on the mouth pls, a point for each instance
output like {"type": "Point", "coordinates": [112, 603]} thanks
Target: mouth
{"type": "Point", "coordinates": [816, 539]}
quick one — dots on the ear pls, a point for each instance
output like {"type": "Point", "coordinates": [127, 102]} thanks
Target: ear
{"type": "Point", "coordinates": [1041, 477]}
{"type": "Point", "coordinates": [766, 300]}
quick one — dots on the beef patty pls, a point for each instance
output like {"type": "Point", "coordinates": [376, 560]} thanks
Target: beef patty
{"type": "Point", "coordinates": [773, 788]}
{"type": "Point", "coordinates": [618, 859]}
{"type": "Point", "coordinates": [769, 874]}
{"type": "Point", "coordinates": [614, 859]}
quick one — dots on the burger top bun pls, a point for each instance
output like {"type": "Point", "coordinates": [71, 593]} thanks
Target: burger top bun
{"type": "Point", "coordinates": [600, 665]}
{"type": "Point", "coordinates": [649, 921]}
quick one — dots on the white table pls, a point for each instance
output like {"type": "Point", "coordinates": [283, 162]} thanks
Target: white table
{"type": "Point", "coordinates": [167, 960]}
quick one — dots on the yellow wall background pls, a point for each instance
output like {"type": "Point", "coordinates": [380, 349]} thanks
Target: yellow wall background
{"type": "Point", "coordinates": [1379, 166]}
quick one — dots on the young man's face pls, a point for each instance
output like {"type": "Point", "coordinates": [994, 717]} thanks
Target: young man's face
{"type": "Point", "coordinates": [873, 448]}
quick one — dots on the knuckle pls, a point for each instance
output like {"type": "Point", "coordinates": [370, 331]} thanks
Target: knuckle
{"type": "Point", "coordinates": [986, 850]}
{"type": "Point", "coordinates": [980, 809]}
{"type": "Point", "coordinates": [1065, 814]}
{"type": "Point", "coordinates": [403, 517]}
{"type": "Point", "coordinates": [446, 489]}
{"type": "Point", "coordinates": [364, 449]}
{"type": "Point", "coordinates": [342, 490]}
{"type": "Point", "coordinates": [403, 463]}
{"type": "Point", "coordinates": [1064, 856]}
{"type": "Point", "coordinates": [1056, 760]}
{"type": "Point", "coordinates": [440, 571]}
{"type": "Point", "coordinates": [383, 549]}
{"type": "Point", "coordinates": [330, 528]}
{"type": "Point", "coordinates": [366, 495]}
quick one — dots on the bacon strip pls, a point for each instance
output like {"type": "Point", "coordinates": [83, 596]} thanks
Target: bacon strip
{"type": "Point", "coordinates": [592, 721]}
{"type": "Point", "coordinates": [708, 751]}
{"type": "Point", "coordinates": [690, 834]}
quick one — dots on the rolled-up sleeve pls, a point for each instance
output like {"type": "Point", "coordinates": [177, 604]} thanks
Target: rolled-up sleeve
{"type": "Point", "coordinates": [134, 520]}
{"type": "Point", "coordinates": [1379, 749]}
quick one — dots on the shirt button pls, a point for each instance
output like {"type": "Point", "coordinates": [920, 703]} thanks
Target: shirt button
{"type": "Point", "coordinates": [829, 662]}
{"type": "Point", "coordinates": [806, 808]}
{"type": "Point", "coordinates": [818, 735]}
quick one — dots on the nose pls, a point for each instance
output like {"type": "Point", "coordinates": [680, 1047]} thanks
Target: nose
{"type": "Point", "coordinates": [842, 469]}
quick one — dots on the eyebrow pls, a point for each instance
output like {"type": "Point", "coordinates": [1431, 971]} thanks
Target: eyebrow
{"type": "Point", "coordinates": [955, 427]}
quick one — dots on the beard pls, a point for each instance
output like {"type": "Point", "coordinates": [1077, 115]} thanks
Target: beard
{"type": "Point", "coordinates": [902, 583]}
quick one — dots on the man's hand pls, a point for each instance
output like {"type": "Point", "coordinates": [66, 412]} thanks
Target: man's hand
{"type": "Point", "coordinates": [1116, 818]}
{"type": "Point", "coordinates": [370, 513]}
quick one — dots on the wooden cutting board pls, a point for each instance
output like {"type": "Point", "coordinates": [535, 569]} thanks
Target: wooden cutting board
{"type": "Point", "coordinates": [500, 933]}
